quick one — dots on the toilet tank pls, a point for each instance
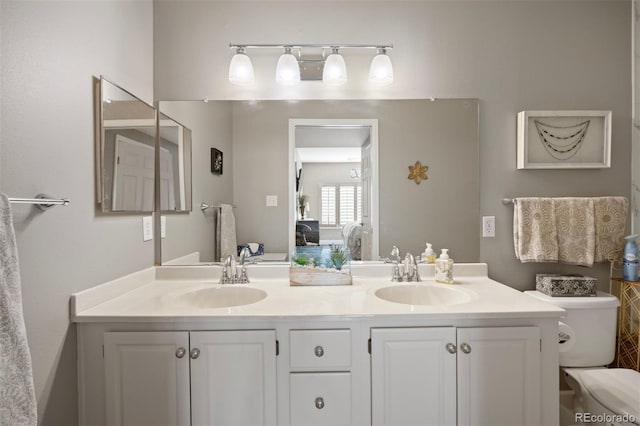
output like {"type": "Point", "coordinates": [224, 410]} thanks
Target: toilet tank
{"type": "Point", "coordinates": [587, 334]}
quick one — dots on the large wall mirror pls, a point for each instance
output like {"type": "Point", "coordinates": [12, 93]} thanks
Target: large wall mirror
{"type": "Point", "coordinates": [175, 165]}
{"type": "Point", "coordinates": [125, 151]}
{"type": "Point", "coordinates": [262, 163]}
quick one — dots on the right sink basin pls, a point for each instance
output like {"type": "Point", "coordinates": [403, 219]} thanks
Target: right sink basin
{"type": "Point", "coordinates": [423, 294]}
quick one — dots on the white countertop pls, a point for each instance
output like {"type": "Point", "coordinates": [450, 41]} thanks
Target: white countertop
{"type": "Point", "coordinates": [166, 294]}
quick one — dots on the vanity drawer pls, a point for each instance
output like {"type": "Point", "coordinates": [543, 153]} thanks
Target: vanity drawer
{"type": "Point", "coordinates": [327, 349]}
{"type": "Point", "coordinates": [320, 398]}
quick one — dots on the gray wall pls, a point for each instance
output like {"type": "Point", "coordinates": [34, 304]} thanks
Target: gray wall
{"type": "Point", "coordinates": [512, 55]}
{"type": "Point", "coordinates": [442, 135]}
{"type": "Point", "coordinates": [50, 53]}
{"type": "Point", "coordinates": [210, 125]}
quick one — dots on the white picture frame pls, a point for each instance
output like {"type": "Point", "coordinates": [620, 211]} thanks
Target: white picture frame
{"type": "Point", "coordinates": [564, 140]}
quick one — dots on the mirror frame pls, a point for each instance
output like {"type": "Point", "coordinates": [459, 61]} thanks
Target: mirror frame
{"type": "Point", "coordinates": [336, 122]}
{"type": "Point", "coordinates": [99, 146]}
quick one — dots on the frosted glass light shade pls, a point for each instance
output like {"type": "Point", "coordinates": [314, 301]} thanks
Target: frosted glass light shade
{"type": "Point", "coordinates": [241, 70]}
{"type": "Point", "coordinates": [335, 70]}
{"type": "Point", "coordinates": [381, 70]}
{"type": "Point", "coordinates": [287, 70]}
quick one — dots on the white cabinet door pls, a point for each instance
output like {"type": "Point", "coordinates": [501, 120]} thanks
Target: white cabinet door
{"type": "Point", "coordinates": [499, 376]}
{"type": "Point", "coordinates": [233, 377]}
{"type": "Point", "coordinates": [413, 376]}
{"type": "Point", "coordinates": [147, 378]}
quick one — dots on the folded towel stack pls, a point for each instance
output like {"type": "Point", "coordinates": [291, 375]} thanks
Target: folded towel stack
{"type": "Point", "coordinates": [571, 230]}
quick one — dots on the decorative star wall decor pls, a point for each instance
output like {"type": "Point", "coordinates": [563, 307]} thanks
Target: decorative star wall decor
{"type": "Point", "coordinates": [418, 172]}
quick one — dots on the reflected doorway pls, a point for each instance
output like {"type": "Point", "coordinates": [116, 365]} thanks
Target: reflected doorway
{"type": "Point", "coordinates": [333, 197]}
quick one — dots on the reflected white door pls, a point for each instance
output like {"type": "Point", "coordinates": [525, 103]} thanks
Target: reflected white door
{"type": "Point", "coordinates": [367, 228]}
{"type": "Point", "coordinates": [133, 175]}
{"type": "Point", "coordinates": [167, 188]}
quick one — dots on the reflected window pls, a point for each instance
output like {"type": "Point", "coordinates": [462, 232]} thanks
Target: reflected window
{"type": "Point", "coordinates": [340, 204]}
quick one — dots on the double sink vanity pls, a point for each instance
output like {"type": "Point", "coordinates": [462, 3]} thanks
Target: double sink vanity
{"type": "Point", "coordinates": [171, 346]}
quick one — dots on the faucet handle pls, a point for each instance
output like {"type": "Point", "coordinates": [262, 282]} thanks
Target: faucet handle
{"type": "Point", "coordinates": [395, 252]}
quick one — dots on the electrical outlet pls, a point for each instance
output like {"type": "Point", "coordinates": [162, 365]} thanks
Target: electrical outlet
{"type": "Point", "coordinates": [147, 228]}
{"type": "Point", "coordinates": [488, 226]}
{"type": "Point", "coordinates": [272, 201]}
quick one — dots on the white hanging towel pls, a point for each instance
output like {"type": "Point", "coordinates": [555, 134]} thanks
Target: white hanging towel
{"type": "Point", "coordinates": [17, 396]}
{"type": "Point", "coordinates": [576, 230]}
{"type": "Point", "coordinates": [534, 230]}
{"type": "Point", "coordinates": [228, 243]}
{"type": "Point", "coordinates": [610, 221]}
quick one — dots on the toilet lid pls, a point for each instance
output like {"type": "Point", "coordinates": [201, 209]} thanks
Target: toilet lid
{"type": "Point", "coordinates": [617, 389]}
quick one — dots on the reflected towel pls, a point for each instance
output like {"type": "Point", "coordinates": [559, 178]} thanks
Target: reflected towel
{"type": "Point", "coordinates": [575, 230]}
{"type": "Point", "coordinates": [228, 243]}
{"type": "Point", "coordinates": [534, 230]}
{"type": "Point", "coordinates": [610, 220]}
{"type": "Point", "coordinates": [17, 397]}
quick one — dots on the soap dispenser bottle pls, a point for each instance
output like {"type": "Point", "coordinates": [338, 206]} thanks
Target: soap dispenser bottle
{"type": "Point", "coordinates": [444, 268]}
{"type": "Point", "coordinates": [429, 256]}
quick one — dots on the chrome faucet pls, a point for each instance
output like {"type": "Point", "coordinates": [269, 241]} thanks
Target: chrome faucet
{"type": "Point", "coordinates": [243, 278]}
{"type": "Point", "coordinates": [395, 254]}
{"type": "Point", "coordinates": [409, 267]}
{"type": "Point", "coordinates": [235, 273]}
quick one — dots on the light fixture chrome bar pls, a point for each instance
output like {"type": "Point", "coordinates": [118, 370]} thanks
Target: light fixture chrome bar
{"type": "Point", "coordinates": [307, 45]}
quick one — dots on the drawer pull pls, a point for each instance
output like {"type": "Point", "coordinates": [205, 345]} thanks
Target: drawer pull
{"type": "Point", "coordinates": [451, 348]}
{"type": "Point", "coordinates": [465, 348]}
{"type": "Point", "coordinates": [180, 352]}
{"type": "Point", "coordinates": [195, 353]}
{"type": "Point", "coordinates": [319, 403]}
{"type": "Point", "coordinates": [319, 351]}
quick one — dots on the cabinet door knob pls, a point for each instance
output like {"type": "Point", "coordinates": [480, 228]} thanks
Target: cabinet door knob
{"type": "Point", "coordinates": [319, 351]}
{"type": "Point", "coordinates": [465, 348]}
{"type": "Point", "coordinates": [180, 352]}
{"type": "Point", "coordinates": [195, 353]}
{"type": "Point", "coordinates": [451, 348]}
{"type": "Point", "coordinates": [319, 403]}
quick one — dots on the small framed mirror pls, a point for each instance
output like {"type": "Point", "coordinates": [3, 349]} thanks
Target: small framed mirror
{"type": "Point", "coordinates": [125, 151]}
{"type": "Point", "coordinates": [175, 165]}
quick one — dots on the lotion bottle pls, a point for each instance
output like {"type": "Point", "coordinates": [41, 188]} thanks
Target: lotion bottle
{"type": "Point", "coordinates": [429, 256]}
{"type": "Point", "coordinates": [630, 259]}
{"type": "Point", "coordinates": [444, 268]}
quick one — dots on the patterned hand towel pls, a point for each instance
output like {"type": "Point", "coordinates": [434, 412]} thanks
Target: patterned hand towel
{"type": "Point", "coordinates": [17, 397]}
{"type": "Point", "coordinates": [534, 230]}
{"type": "Point", "coordinates": [610, 220]}
{"type": "Point", "coordinates": [228, 244]}
{"type": "Point", "coordinates": [575, 229]}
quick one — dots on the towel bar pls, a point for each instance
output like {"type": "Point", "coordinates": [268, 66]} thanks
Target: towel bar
{"type": "Point", "coordinates": [42, 201]}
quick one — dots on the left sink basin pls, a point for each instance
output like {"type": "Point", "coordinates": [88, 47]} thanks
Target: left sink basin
{"type": "Point", "coordinates": [223, 297]}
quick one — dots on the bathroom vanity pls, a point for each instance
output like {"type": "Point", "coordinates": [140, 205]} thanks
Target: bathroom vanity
{"type": "Point", "coordinates": [169, 345]}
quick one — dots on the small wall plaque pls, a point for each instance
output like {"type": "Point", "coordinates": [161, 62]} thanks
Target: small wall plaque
{"type": "Point", "coordinates": [216, 161]}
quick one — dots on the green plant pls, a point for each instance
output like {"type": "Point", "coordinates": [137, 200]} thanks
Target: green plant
{"type": "Point", "coordinates": [337, 256]}
{"type": "Point", "coordinates": [302, 199]}
{"type": "Point", "coordinates": [302, 260]}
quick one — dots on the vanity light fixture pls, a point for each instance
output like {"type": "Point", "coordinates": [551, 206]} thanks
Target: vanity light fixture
{"type": "Point", "coordinates": [241, 68]}
{"type": "Point", "coordinates": [335, 69]}
{"type": "Point", "coordinates": [332, 70]}
{"type": "Point", "coordinates": [288, 70]}
{"type": "Point", "coordinates": [381, 69]}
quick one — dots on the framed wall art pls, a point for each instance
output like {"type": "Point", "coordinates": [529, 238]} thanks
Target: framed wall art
{"type": "Point", "coordinates": [216, 161]}
{"type": "Point", "coordinates": [564, 140]}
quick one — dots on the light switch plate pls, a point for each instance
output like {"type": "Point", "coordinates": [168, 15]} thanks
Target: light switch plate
{"type": "Point", "coordinates": [163, 226]}
{"type": "Point", "coordinates": [147, 228]}
{"type": "Point", "coordinates": [272, 201]}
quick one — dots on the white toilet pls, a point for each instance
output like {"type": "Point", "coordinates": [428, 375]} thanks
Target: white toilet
{"type": "Point", "coordinates": [587, 336]}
